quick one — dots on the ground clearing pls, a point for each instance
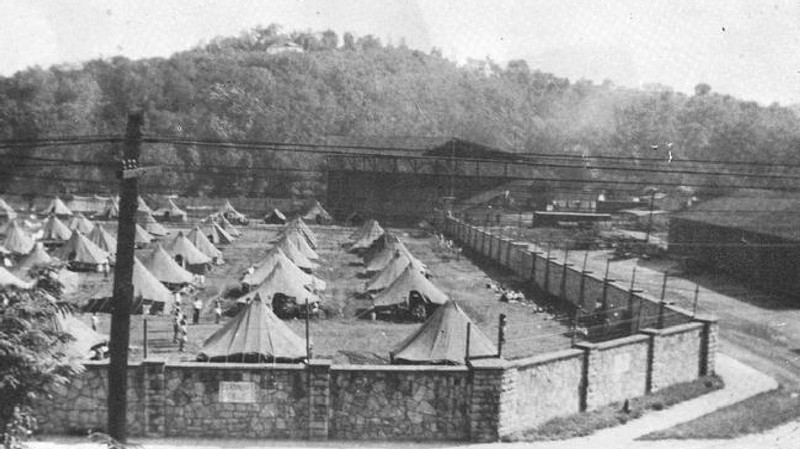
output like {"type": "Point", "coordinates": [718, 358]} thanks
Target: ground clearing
{"type": "Point", "coordinates": [343, 337]}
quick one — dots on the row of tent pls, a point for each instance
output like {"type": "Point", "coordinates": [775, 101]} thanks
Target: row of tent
{"type": "Point", "coordinates": [256, 334]}
{"type": "Point", "coordinates": [286, 270]}
{"type": "Point", "coordinates": [20, 238]}
{"type": "Point", "coordinates": [396, 273]}
{"type": "Point", "coordinates": [108, 208]}
{"type": "Point", "coordinates": [171, 265]}
{"type": "Point", "coordinates": [313, 213]}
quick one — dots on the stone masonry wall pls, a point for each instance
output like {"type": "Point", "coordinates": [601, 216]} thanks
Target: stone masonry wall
{"type": "Point", "coordinates": [545, 387]}
{"type": "Point", "coordinates": [671, 347]}
{"type": "Point", "coordinates": [399, 403]}
{"type": "Point", "coordinates": [487, 401]}
{"type": "Point", "coordinates": [566, 283]}
{"type": "Point", "coordinates": [617, 370]}
{"type": "Point", "coordinates": [193, 407]}
{"type": "Point", "coordinates": [81, 406]}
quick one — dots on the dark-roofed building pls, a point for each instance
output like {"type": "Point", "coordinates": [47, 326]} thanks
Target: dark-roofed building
{"type": "Point", "coordinates": [401, 179]}
{"type": "Point", "coordinates": [753, 235]}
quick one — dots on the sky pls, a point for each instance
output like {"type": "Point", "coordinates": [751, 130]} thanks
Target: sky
{"type": "Point", "coordinates": [746, 48]}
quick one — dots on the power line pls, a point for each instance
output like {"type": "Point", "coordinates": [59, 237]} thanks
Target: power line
{"type": "Point", "coordinates": [462, 176]}
{"type": "Point", "coordinates": [57, 143]}
{"type": "Point", "coordinates": [663, 160]}
{"type": "Point", "coordinates": [521, 154]}
{"type": "Point", "coordinates": [315, 149]}
{"type": "Point", "coordinates": [326, 149]}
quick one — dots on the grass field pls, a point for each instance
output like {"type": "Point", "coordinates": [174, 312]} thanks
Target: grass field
{"type": "Point", "coordinates": [342, 336]}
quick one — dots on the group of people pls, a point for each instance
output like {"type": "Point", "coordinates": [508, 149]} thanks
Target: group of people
{"type": "Point", "coordinates": [180, 319]}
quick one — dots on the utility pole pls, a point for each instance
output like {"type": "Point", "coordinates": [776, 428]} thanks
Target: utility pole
{"type": "Point", "coordinates": [123, 283]}
{"type": "Point", "coordinates": [650, 217]}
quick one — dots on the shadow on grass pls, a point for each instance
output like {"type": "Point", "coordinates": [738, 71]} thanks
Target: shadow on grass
{"type": "Point", "coordinates": [754, 415]}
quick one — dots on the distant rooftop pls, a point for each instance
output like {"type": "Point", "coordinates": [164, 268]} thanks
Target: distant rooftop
{"type": "Point", "coordinates": [418, 146]}
{"type": "Point", "coordinates": [761, 211]}
{"type": "Point", "coordinates": [391, 144]}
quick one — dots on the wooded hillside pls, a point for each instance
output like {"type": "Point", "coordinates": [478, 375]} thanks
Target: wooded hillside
{"type": "Point", "coordinates": [234, 89]}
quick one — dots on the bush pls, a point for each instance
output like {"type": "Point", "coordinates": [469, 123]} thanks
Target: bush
{"type": "Point", "coordinates": [32, 361]}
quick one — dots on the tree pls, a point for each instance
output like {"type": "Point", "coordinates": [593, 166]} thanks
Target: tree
{"type": "Point", "coordinates": [349, 41]}
{"type": "Point", "coordinates": [329, 41]}
{"type": "Point", "coordinates": [702, 89]}
{"type": "Point", "coordinates": [369, 43]}
{"type": "Point", "coordinates": [32, 361]}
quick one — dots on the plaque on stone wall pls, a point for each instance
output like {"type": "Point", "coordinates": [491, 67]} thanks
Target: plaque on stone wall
{"type": "Point", "coordinates": [237, 392]}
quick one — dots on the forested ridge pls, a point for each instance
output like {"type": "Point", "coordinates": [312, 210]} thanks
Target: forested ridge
{"type": "Point", "coordinates": [235, 89]}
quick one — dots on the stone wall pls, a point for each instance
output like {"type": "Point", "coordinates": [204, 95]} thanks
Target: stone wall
{"type": "Point", "coordinates": [81, 406]}
{"type": "Point", "coordinates": [486, 401]}
{"type": "Point", "coordinates": [616, 370]}
{"type": "Point", "coordinates": [399, 402]}
{"type": "Point", "coordinates": [193, 405]}
{"type": "Point", "coordinates": [631, 310]}
{"type": "Point", "coordinates": [544, 387]}
{"type": "Point", "coordinates": [670, 348]}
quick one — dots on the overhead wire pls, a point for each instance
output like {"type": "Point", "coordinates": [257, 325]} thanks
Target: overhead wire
{"type": "Point", "coordinates": [323, 149]}
{"type": "Point", "coordinates": [514, 153]}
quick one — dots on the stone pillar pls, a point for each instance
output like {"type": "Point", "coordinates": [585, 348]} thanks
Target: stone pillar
{"type": "Point", "coordinates": [491, 402]}
{"type": "Point", "coordinates": [708, 345]}
{"type": "Point", "coordinates": [517, 258]}
{"type": "Point", "coordinates": [653, 359]}
{"type": "Point", "coordinates": [473, 237]}
{"type": "Point", "coordinates": [154, 398]}
{"type": "Point", "coordinates": [501, 244]}
{"type": "Point", "coordinates": [319, 372]}
{"type": "Point", "coordinates": [586, 399]}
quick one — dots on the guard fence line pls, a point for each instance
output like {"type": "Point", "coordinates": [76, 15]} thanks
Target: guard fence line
{"type": "Point", "coordinates": [588, 292]}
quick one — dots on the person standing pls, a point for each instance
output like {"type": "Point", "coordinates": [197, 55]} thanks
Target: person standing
{"type": "Point", "coordinates": [177, 304]}
{"type": "Point", "coordinates": [217, 312]}
{"type": "Point", "coordinates": [198, 306]}
{"type": "Point", "coordinates": [184, 337]}
{"type": "Point", "coordinates": [95, 321]}
{"type": "Point", "coordinates": [176, 322]}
